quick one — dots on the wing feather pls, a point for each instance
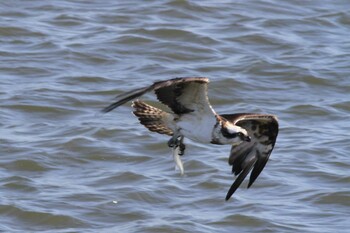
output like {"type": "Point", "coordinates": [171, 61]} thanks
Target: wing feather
{"type": "Point", "coordinates": [253, 155]}
{"type": "Point", "coordinates": [240, 179]}
{"type": "Point", "coordinates": [184, 95]}
{"type": "Point", "coordinates": [125, 97]}
{"type": "Point", "coordinates": [179, 94]}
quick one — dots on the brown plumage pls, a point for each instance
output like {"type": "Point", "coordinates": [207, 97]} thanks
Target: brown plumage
{"type": "Point", "coordinates": [152, 118]}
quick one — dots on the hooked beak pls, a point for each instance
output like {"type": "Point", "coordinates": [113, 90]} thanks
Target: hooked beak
{"type": "Point", "coordinates": [247, 139]}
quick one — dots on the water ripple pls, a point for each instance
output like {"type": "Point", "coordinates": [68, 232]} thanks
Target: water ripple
{"type": "Point", "coordinates": [67, 167]}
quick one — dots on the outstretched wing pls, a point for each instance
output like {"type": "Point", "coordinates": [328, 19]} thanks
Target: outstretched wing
{"type": "Point", "coordinates": [263, 130]}
{"type": "Point", "coordinates": [181, 95]}
{"type": "Point", "coordinates": [184, 95]}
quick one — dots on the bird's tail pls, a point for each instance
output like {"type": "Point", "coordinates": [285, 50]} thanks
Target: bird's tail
{"type": "Point", "coordinates": [154, 119]}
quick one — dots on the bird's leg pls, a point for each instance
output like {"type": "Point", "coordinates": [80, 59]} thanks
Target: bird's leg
{"type": "Point", "coordinates": [173, 141]}
{"type": "Point", "coordinates": [181, 145]}
{"type": "Point", "coordinates": [178, 148]}
{"type": "Point", "coordinates": [177, 141]}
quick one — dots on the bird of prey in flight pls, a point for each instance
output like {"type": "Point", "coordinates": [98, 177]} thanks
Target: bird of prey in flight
{"type": "Point", "coordinates": [251, 135]}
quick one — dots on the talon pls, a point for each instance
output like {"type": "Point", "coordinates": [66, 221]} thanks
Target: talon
{"type": "Point", "coordinates": [182, 149]}
{"type": "Point", "coordinates": [171, 142]}
{"type": "Point", "coordinates": [176, 142]}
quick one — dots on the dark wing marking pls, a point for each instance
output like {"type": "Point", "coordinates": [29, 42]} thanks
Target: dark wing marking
{"type": "Point", "coordinates": [263, 130]}
{"type": "Point", "coordinates": [182, 93]}
{"type": "Point", "coordinates": [170, 93]}
{"type": "Point", "coordinates": [125, 97]}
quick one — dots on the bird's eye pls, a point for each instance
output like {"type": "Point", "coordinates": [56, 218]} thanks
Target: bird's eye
{"type": "Point", "coordinates": [240, 134]}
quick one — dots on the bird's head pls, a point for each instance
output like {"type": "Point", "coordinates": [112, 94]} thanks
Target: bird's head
{"type": "Point", "coordinates": [234, 133]}
{"type": "Point", "coordinates": [228, 133]}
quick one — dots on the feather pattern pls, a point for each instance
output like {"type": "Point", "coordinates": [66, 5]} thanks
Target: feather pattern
{"type": "Point", "coordinates": [253, 155]}
{"type": "Point", "coordinates": [179, 94]}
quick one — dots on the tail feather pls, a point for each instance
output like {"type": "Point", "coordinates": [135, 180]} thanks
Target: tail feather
{"type": "Point", "coordinates": [152, 118]}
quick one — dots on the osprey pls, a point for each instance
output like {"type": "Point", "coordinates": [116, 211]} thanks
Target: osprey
{"type": "Point", "coordinates": [251, 135]}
